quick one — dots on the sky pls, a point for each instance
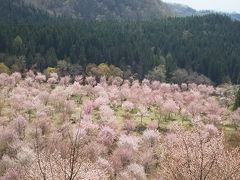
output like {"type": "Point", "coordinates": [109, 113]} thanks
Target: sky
{"type": "Point", "coordinates": [216, 5]}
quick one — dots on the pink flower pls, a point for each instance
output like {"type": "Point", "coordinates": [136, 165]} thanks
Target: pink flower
{"type": "Point", "coordinates": [129, 141]}
{"type": "Point", "coordinates": [65, 80]}
{"type": "Point", "coordinates": [87, 107]}
{"type": "Point", "coordinates": [79, 79]}
{"type": "Point", "coordinates": [151, 136]}
{"type": "Point", "coordinates": [127, 105]}
{"type": "Point", "coordinates": [170, 106]}
{"type": "Point", "coordinates": [40, 77]}
{"type": "Point", "coordinates": [137, 171]}
{"type": "Point", "coordinates": [211, 129]}
{"type": "Point", "coordinates": [106, 135]}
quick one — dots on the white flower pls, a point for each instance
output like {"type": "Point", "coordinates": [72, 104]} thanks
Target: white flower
{"type": "Point", "coordinates": [131, 141]}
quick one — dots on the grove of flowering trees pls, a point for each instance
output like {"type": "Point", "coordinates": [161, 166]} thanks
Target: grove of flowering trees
{"type": "Point", "coordinates": [73, 128]}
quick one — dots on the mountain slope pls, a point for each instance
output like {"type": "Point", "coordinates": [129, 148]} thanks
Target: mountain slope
{"type": "Point", "coordinates": [115, 9]}
{"type": "Point", "coordinates": [209, 45]}
{"type": "Point", "coordinates": [235, 16]}
{"type": "Point", "coordinates": [13, 11]}
{"type": "Point", "coordinates": [183, 11]}
{"type": "Point", "coordinates": [105, 9]}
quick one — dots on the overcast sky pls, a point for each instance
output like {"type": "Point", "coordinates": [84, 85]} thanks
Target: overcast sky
{"type": "Point", "coordinates": [217, 5]}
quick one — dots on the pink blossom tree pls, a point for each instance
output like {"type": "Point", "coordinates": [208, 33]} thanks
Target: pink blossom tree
{"type": "Point", "coordinates": [198, 154]}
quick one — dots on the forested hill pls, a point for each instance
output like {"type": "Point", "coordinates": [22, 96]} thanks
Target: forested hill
{"type": "Point", "coordinates": [105, 9]}
{"type": "Point", "coordinates": [209, 45]}
{"type": "Point", "coordinates": [16, 11]}
{"type": "Point", "coordinates": [114, 9]}
{"type": "Point", "coordinates": [183, 11]}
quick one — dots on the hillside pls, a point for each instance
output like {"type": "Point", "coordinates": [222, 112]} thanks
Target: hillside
{"type": "Point", "coordinates": [114, 129]}
{"type": "Point", "coordinates": [100, 94]}
{"type": "Point", "coordinates": [105, 9]}
{"type": "Point", "coordinates": [183, 11]}
{"type": "Point", "coordinates": [114, 9]}
{"type": "Point", "coordinates": [208, 45]}
{"type": "Point", "coordinates": [16, 11]}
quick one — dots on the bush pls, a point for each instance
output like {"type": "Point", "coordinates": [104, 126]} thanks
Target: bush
{"type": "Point", "coordinates": [4, 68]}
{"type": "Point", "coordinates": [182, 76]}
{"type": "Point", "coordinates": [158, 73]}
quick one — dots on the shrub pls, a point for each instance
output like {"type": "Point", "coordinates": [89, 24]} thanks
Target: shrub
{"type": "Point", "coordinates": [4, 68]}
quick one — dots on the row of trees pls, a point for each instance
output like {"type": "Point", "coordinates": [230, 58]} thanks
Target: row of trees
{"type": "Point", "coordinates": [158, 73]}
